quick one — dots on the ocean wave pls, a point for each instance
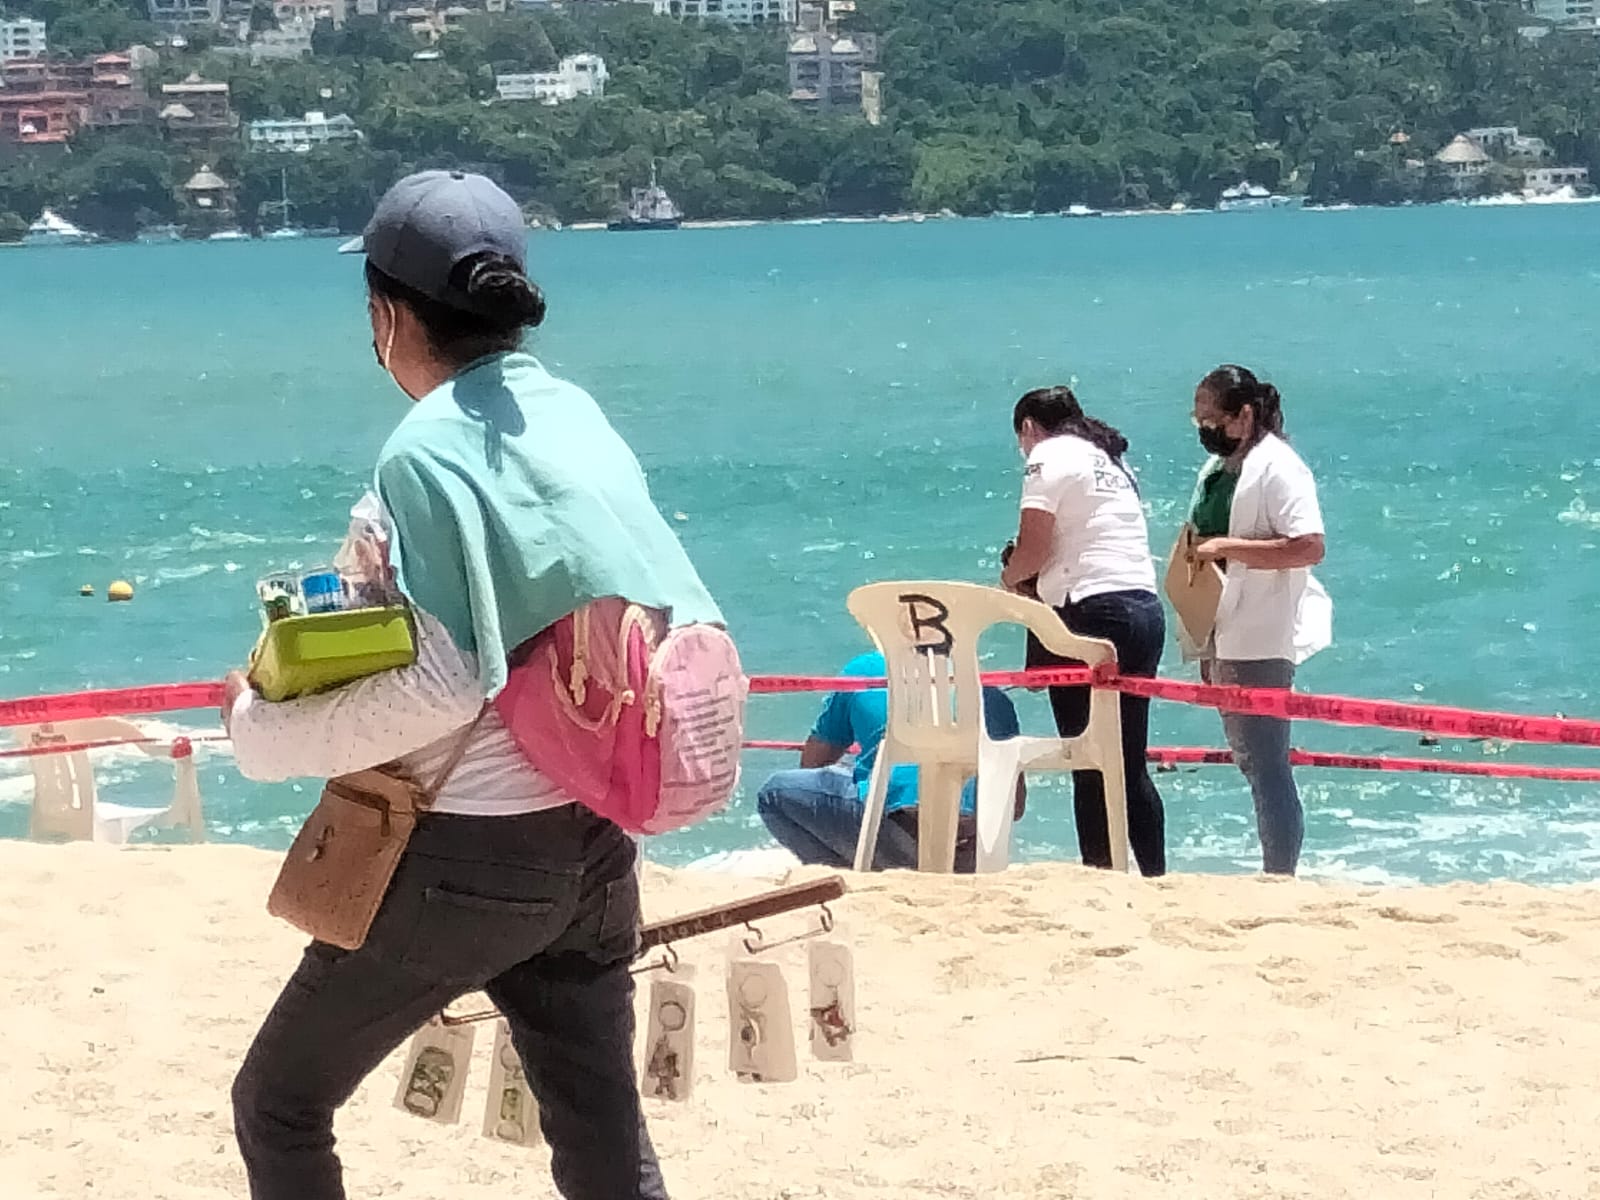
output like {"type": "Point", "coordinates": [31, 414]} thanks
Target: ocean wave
{"type": "Point", "coordinates": [758, 861]}
{"type": "Point", "coordinates": [16, 557]}
{"type": "Point", "coordinates": [179, 574]}
{"type": "Point", "coordinates": [208, 537]}
{"type": "Point", "coordinates": [1579, 513]}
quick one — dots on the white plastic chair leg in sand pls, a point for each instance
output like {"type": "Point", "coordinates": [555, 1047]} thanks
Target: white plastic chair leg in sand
{"type": "Point", "coordinates": [186, 811]}
{"type": "Point", "coordinates": [66, 803]}
{"type": "Point", "coordinates": [928, 633]}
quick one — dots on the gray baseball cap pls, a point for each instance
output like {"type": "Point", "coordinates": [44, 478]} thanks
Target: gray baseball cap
{"type": "Point", "coordinates": [429, 222]}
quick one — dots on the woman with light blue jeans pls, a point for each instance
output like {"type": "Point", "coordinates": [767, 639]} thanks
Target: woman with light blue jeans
{"type": "Point", "coordinates": [1256, 515]}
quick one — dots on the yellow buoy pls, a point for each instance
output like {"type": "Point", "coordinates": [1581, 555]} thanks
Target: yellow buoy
{"type": "Point", "coordinates": [120, 590]}
{"type": "Point", "coordinates": [86, 590]}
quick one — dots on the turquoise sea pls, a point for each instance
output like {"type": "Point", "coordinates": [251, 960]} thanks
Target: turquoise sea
{"type": "Point", "coordinates": [828, 405]}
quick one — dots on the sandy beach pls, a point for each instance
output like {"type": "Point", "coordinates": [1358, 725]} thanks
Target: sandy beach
{"type": "Point", "coordinates": [1050, 1033]}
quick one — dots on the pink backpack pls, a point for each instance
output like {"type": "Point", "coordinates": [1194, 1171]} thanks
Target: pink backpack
{"type": "Point", "coordinates": [641, 723]}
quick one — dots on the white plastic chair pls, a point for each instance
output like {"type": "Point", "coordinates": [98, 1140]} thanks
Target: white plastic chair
{"type": "Point", "coordinates": [928, 633]}
{"type": "Point", "coordinates": [66, 802]}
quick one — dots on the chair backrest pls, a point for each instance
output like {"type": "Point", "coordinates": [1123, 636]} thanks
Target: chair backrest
{"type": "Point", "coordinates": [63, 786]}
{"type": "Point", "coordinates": [928, 633]}
{"type": "Point", "coordinates": [64, 792]}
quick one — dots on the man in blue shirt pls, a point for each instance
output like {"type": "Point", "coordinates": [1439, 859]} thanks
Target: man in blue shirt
{"type": "Point", "coordinates": [816, 811]}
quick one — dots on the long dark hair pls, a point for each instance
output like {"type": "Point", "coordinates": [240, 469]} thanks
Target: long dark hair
{"type": "Point", "coordinates": [504, 303]}
{"type": "Point", "coordinates": [1057, 411]}
{"type": "Point", "coordinates": [1235, 388]}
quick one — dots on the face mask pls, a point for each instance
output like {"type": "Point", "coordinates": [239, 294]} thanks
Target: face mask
{"type": "Point", "coordinates": [388, 342]}
{"type": "Point", "coordinates": [383, 353]}
{"type": "Point", "coordinates": [1217, 442]}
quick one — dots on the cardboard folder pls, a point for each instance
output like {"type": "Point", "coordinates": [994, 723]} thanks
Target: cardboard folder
{"type": "Point", "coordinates": [1194, 588]}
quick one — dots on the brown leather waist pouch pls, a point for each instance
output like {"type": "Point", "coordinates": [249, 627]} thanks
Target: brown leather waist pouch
{"type": "Point", "coordinates": [336, 874]}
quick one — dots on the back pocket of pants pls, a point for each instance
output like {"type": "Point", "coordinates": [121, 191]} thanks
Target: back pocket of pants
{"type": "Point", "coordinates": [463, 938]}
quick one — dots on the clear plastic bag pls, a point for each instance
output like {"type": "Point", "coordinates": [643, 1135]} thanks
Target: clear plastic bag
{"type": "Point", "coordinates": [363, 559]}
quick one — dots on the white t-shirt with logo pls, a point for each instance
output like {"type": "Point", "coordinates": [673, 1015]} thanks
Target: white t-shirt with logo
{"type": "Point", "coordinates": [1101, 544]}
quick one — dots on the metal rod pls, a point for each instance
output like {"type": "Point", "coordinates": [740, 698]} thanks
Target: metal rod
{"type": "Point", "coordinates": [709, 920]}
{"type": "Point", "coordinates": [742, 912]}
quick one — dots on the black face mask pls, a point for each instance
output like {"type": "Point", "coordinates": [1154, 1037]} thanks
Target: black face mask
{"type": "Point", "coordinates": [1215, 441]}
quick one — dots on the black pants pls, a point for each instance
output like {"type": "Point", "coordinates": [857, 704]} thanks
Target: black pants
{"type": "Point", "coordinates": [540, 911]}
{"type": "Point", "coordinates": [1134, 623]}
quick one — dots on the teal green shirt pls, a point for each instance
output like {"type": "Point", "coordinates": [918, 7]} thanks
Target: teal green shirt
{"type": "Point", "coordinates": [515, 503]}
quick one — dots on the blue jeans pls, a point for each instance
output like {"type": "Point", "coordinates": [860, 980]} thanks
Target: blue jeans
{"type": "Point", "coordinates": [816, 814]}
{"type": "Point", "coordinates": [1134, 623]}
{"type": "Point", "coordinates": [1260, 748]}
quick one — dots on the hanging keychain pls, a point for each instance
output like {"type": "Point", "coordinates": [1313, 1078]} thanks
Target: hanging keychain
{"type": "Point", "coordinates": [669, 1038]}
{"type": "Point", "coordinates": [833, 1002]}
{"type": "Point", "coordinates": [511, 1114]}
{"type": "Point", "coordinates": [761, 1036]}
{"type": "Point", "coordinates": [435, 1077]}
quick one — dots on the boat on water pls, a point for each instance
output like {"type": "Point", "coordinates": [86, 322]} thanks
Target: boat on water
{"type": "Point", "coordinates": [52, 229]}
{"type": "Point", "coordinates": [229, 235]}
{"type": "Point", "coordinates": [1252, 197]}
{"type": "Point", "coordinates": [1080, 210]}
{"type": "Point", "coordinates": [648, 208]}
{"type": "Point", "coordinates": [158, 235]}
{"type": "Point", "coordinates": [287, 230]}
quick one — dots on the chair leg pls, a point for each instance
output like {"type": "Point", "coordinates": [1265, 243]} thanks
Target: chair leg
{"type": "Point", "coordinates": [1106, 718]}
{"type": "Point", "coordinates": [938, 817]}
{"type": "Point", "coordinates": [872, 816]}
{"type": "Point", "coordinates": [997, 792]}
{"type": "Point", "coordinates": [186, 810]}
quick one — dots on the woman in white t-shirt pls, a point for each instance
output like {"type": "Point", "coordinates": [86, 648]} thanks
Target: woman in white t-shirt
{"type": "Point", "coordinates": [1083, 549]}
{"type": "Point", "coordinates": [1256, 511]}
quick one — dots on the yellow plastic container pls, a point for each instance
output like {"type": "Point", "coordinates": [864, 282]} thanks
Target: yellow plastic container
{"type": "Point", "coordinates": [297, 656]}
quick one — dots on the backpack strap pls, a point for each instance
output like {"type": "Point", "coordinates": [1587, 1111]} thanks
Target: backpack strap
{"type": "Point", "coordinates": [578, 677]}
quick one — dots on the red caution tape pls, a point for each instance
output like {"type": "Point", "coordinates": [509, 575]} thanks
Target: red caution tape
{"type": "Point", "coordinates": [1266, 702]}
{"type": "Point", "coordinates": [180, 747]}
{"type": "Point", "coordinates": [117, 702]}
{"type": "Point", "coordinates": [1287, 705]}
{"type": "Point", "coordinates": [1174, 756]}
{"type": "Point", "coordinates": [1166, 756]}
{"type": "Point", "coordinates": [1345, 710]}
{"type": "Point", "coordinates": [1037, 678]}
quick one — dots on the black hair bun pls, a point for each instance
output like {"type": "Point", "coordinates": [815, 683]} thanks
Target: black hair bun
{"type": "Point", "coordinates": [498, 289]}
